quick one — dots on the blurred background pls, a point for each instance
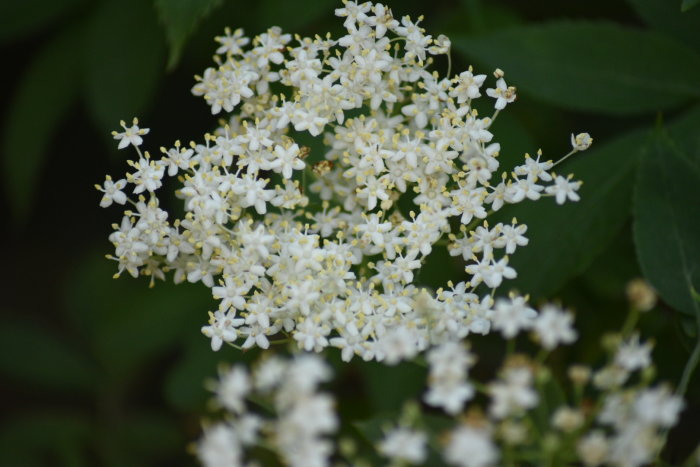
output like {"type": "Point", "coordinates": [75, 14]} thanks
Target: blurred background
{"type": "Point", "coordinates": [108, 372]}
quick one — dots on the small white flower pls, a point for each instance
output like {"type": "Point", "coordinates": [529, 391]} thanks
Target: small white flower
{"type": "Point", "coordinates": [564, 188]}
{"type": "Point", "coordinates": [512, 316]}
{"type": "Point", "coordinates": [503, 94]}
{"type": "Point", "coordinates": [112, 192]}
{"type": "Point", "coordinates": [593, 449]}
{"type": "Point", "coordinates": [402, 444]}
{"type": "Point", "coordinates": [470, 447]}
{"type": "Point", "coordinates": [219, 446]}
{"type": "Point", "coordinates": [513, 394]}
{"type": "Point", "coordinates": [633, 355]}
{"type": "Point", "coordinates": [232, 389]}
{"type": "Point", "coordinates": [130, 135]}
{"type": "Point", "coordinates": [658, 406]}
{"type": "Point", "coordinates": [554, 326]}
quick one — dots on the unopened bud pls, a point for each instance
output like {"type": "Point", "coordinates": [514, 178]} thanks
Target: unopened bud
{"type": "Point", "coordinates": [641, 295]}
{"type": "Point", "coordinates": [581, 141]}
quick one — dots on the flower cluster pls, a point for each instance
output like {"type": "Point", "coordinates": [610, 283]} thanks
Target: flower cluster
{"type": "Point", "coordinates": [303, 415]}
{"type": "Point", "coordinates": [409, 165]}
{"type": "Point", "coordinates": [613, 415]}
{"type": "Point", "coordinates": [323, 247]}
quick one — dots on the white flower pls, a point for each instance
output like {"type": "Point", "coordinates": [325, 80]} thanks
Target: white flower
{"type": "Point", "coordinates": [658, 406]}
{"type": "Point", "coordinates": [593, 449]}
{"type": "Point", "coordinates": [287, 160]}
{"type": "Point", "coordinates": [564, 188]}
{"type": "Point", "coordinates": [402, 444]}
{"type": "Point", "coordinates": [512, 316]}
{"type": "Point", "coordinates": [503, 94]}
{"type": "Point", "coordinates": [567, 419]}
{"type": "Point", "coordinates": [554, 326]}
{"type": "Point", "coordinates": [130, 135]}
{"type": "Point", "coordinates": [470, 447]}
{"type": "Point", "coordinates": [219, 447]}
{"type": "Point", "coordinates": [513, 394]}
{"type": "Point", "coordinates": [448, 387]}
{"type": "Point", "coordinates": [232, 389]}
{"type": "Point", "coordinates": [633, 355]}
{"type": "Point", "coordinates": [222, 328]}
{"type": "Point", "coordinates": [231, 43]}
{"type": "Point", "coordinates": [112, 192]}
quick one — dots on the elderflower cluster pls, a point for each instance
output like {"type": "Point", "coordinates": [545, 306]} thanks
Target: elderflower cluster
{"type": "Point", "coordinates": [325, 246]}
{"type": "Point", "coordinates": [614, 415]}
{"type": "Point", "coordinates": [304, 416]}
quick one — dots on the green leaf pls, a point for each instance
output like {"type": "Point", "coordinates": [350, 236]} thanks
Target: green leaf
{"type": "Point", "coordinates": [45, 438]}
{"type": "Point", "coordinates": [666, 17]}
{"type": "Point", "coordinates": [35, 356]}
{"type": "Point", "coordinates": [180, 19]}
{"type": "Point", "coordinates": [184, 386]}
{"type": "Point", "coordinates": [28, 16]}
{"type": "Point", "coordinates": [591, 66]}
{"type": "Point", "coordinates": [667, 222]}
{"type": "Point", "coordinates": [287, 15]}
{"type": "Point", "coordinates": [388, 388]}
{"type": "Point", "coordinates": [686, 5]}
{"type": "Point", "coordinates": [47, 90]}
{"type": "Point", "coordinates": [124, 55]}
{"type": "Point", "coordinates": [129, 324]}
{"type": "Point", "coordinates": [565, 239]}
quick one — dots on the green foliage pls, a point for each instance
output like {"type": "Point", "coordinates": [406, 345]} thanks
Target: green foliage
{"type": "Point", "coordinates": [667, 18]}
{"type": "Point", "coordinates": [686, 5]}
{"type": "Point", "coordinates": [30, 16]}
{"type": "Point", "coordinates": [621, 72]}
{"type": "Point", "coordinates": [124, 58]}
{"type": "Point", "coordinates": [180, 18]}
{"type": "Point", "coordinates": [132, 313]}
{"type": "Point", "coordinates": [288, 14]}
{"type": "Point", "coordinates": [34, 356]}
{"type": "Point", "coordinates": [667, 222]}
{"type": "Point", "coordinates": [31, 123]}
{"type": "Point", "coordinates": [47, 438]}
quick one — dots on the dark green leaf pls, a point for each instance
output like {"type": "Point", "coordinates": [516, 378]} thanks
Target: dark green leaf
{"type": "Point", "coordinates": [565, 239]}
{"type": "Point", "coordinates": [46, 438]}
{"type": "Point", "coordinates": [27, 16]}
{"type": "Point", "coordinates": [686, 5]}
{"type": "Point", "coordinates": [180, 18]}
{"type": "Point", "coordinates": [665, 16]}
{"type": "Point", "coordinates": [124, 61]}
{"type": "Point", "coordinates": [667, 222]}
{"type": "Point", "coordinates": [287, 15]}
{"type": "Point", "coordinates": [149, 435]}
{"type": "Point", "coordinates": [388, 388]}
{"type": "Point", "coordinates": [35, 356]}
{"type": "Point", "coordinates": [46, 92]}
{"type": "Point", "coordinates": [623, 71]}
{"type": "Point", "coordinates": [184, 387]}
{"type": "Point", "coordinates": [128, 323]}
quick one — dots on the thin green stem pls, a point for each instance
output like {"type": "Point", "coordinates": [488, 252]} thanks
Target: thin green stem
{"type": "Point", "coordinates": [630, 322]}
{"type": "Point", "coordinates": [564, 158]}
{"type": "Point", "coordinates": [690, 366]}
{"type": "Point", "coordinates": [449, 64]}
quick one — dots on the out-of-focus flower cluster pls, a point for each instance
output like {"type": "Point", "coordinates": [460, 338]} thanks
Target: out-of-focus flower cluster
{"type": "Point", "coordinates": [303, 415]}
{"type": "Point", "coordinates": [328, 252]}
{"type": "Point", "coordinates": [526, 414]}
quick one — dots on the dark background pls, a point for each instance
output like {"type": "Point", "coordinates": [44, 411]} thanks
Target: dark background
{"type": "Point", "coordinates": [102, 372]}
